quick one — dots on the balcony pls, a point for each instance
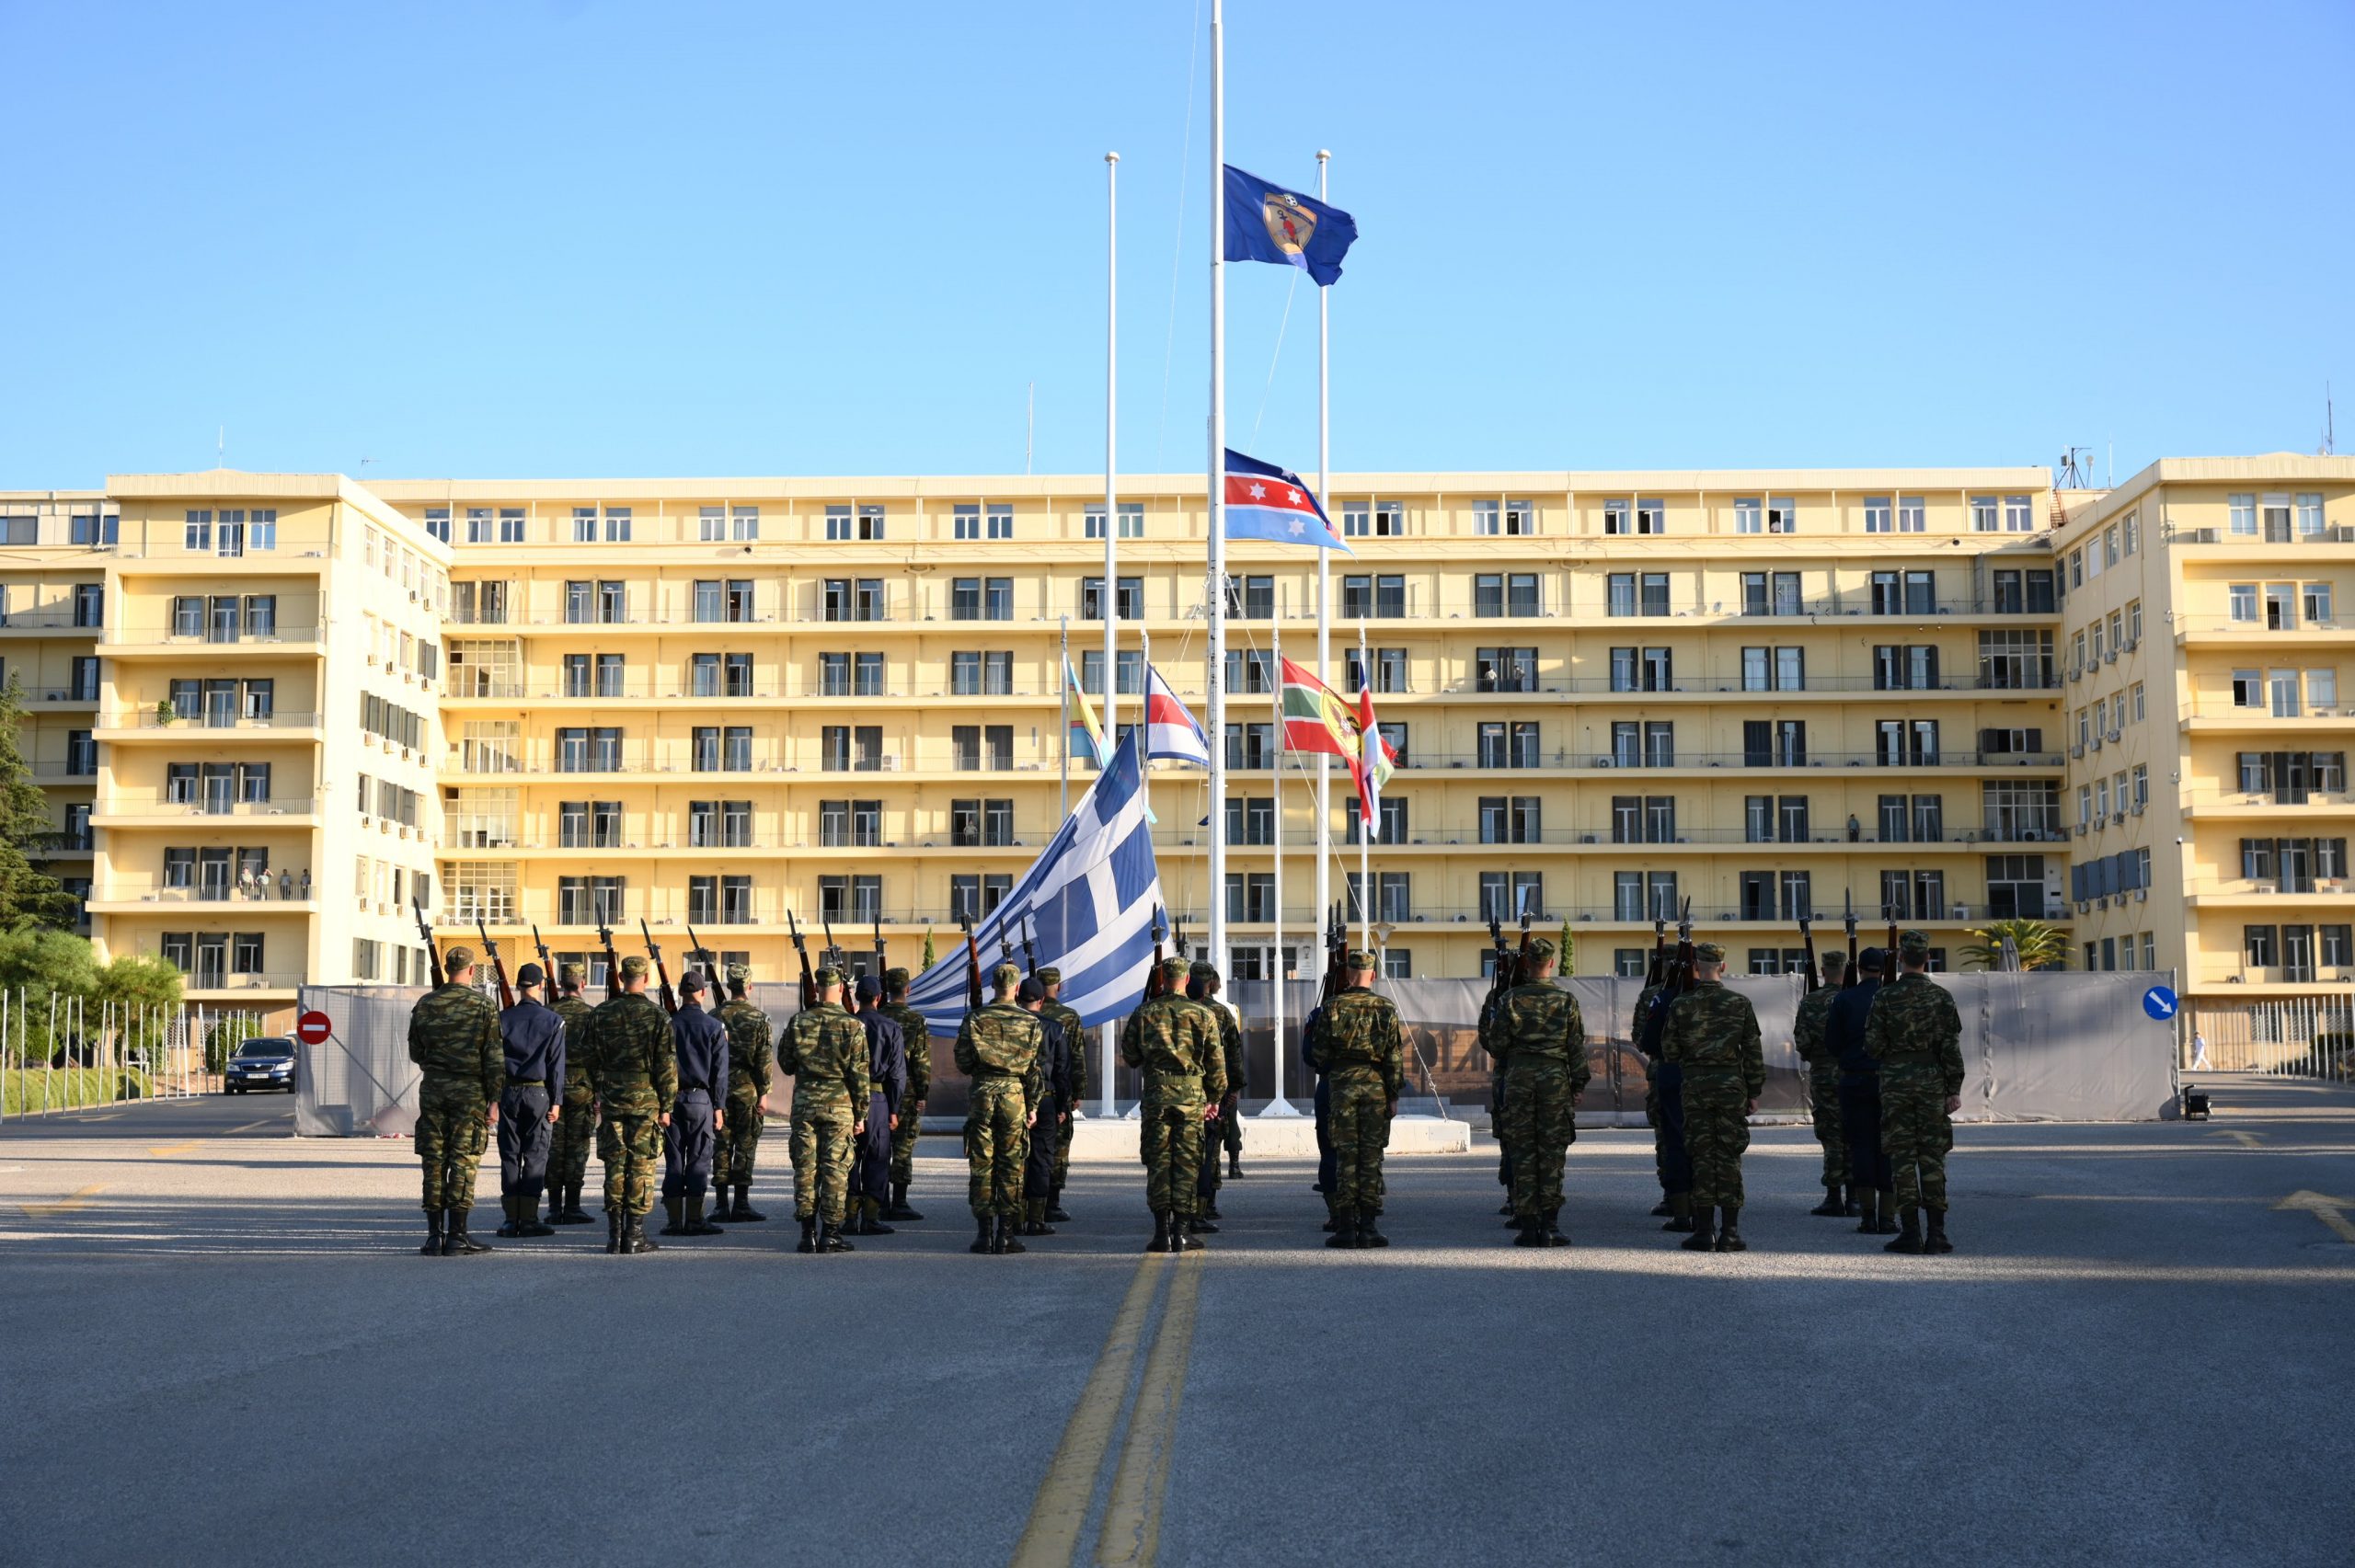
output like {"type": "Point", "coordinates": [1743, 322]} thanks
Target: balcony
{"type": "Point", "coordinates": [2236, 803]}
{"type": "Point", "coordinates": [150, 724]}
{"type": "Point", "coordinates": [234, 988]}
{"type": "Point", "coordinates": [48, 621]}
{"type": "Point", "coordinates": [132, 895]}
{"type": "Point", "coordinates": [2219, 714]}
{"type": "Point", "coordinates": [2334, 893]}
{"type": "Point", "coordinates": [128, 808]}
{"type": "Point", "coordinates": [2285, 633]}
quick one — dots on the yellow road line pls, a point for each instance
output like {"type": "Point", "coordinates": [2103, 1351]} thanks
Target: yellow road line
{"type": "Point", "coordinates": [64, 1206]}
{"type": "Point", "coordinates": [2329, 1210]}
{"type": "Point", "coordinates": [2245, 1139]}
{"type": "Point", "coordinates": [1131, 1533]}
{"type": "Point", "coordinates": [172, 1150]}
{"type": "Point", "coordinates": [1059, 1510]}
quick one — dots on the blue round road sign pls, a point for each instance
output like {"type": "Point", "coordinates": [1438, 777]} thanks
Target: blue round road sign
{"type": "Point", "coordinates": [2159, 1003]}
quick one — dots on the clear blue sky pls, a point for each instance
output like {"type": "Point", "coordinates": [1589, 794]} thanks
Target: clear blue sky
{"type": "Point", "coordinates": [595, 238]}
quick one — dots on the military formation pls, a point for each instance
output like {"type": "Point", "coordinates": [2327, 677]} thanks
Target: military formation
{"type": "Point", "coordinates": [687, 1083]}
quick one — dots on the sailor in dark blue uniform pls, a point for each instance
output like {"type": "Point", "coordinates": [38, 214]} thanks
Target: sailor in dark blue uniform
{"type": "Point", "coordinates": [1870, 1176]}
{"type": "Point", "coordinates": [531, 1034]}
{"type": "Point", "coordinates": [699, 1042]}
{"type": "Point", "coordinates": [1060, 1073]}
{"type": "Point", "coordinates": [1667, 1085]}
{"type": "Point", "coordinates": [887, 1070]}
{"type": "Point", "coordinates": [1329, 1166]}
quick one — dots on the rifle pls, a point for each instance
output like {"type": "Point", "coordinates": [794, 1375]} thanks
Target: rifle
{"type": "Point", "coordinates": [834, 954]}
{"type": "Point", "coordinates": [880, 960]}
{"type": "Point", "coordinates": [499, 965]}
{"type": "Point", "coordinates": [547, 968]}
{"type": "Point", "coordinates": [1848, 915]}
{"type": "Point", "coordinates": [1521, 963]}
{"type": "Point", "coordinates": [1029, 948]}
{"type": "Point", "coordinates": [1657, 971]}
{"type": "Point", "coordinates": [1155, 985]}
{"type": "Point", "coordinates": [1336, 958]}
{"type": "Point", "coordinates": [972, 965]}
{"type": "Point", "coordinates": [696, 949]}
{"type": "Point", "coordinates": [661, 971]}
{"type": "Point", "coordinates": [425, 933]}
{"type": "Point", "coordinates": [809, 981]}
{"type": "Point", "coordinates": [1807, 937]}
{"type": "Point", "coordinates": [1178, 939]}
{"type": "Point", "coordinates": [612, 960]}
{"type": "Point", "coordinates": [1889, 964]}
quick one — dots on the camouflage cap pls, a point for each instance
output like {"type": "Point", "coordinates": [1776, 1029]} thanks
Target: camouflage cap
{"type": "Point", "coordinates": [1051, 976]}
{"type": "Point", "coordinates": [1202, 969]}
{"type": "Point", "coordinates": [895, 978]}
{"type": "Point", "coordinates": [1174, 969]}
{"type": "Point", "coordinates": [634, 967]}
{"type": "Point", "coordinates": [569, 975]}
{"type": "Point", "coordinates": [530, 975]}
{"type": "Point", "coordinates": [1359, 958]}
{"type": "Point", "coordinates": [827, 974]}
{"type": "Point", "coordinates": [1541, 949]}
{"type": "Point", "coordinates": [1835, 962]}
{"type": "Point", "coordinates": [740, 971]}
{"type": "Point", "coordinates": [456, 957]}
{"type": "Point", "coordinates": [1709, 952]}
{"type": "Point", "coordinates": [1913, 945]}
{"type": "Point", "coordinates": [1005, 976]}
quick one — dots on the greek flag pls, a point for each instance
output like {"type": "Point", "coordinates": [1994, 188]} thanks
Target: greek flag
{"type": "Point", "coordinates": [1090, 898]}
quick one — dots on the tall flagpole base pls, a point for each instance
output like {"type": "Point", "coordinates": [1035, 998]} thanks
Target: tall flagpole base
{"type": "Point", "coordinates": [1278, 1110]}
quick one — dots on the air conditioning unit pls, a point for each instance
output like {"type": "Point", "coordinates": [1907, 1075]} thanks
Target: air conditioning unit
{"type": "Point", "coordinates": [889, 762]}
{"type": "Point", "coordinates": [2081, 829]}
{"type": "Point", "coordinates": [2141, 895]}
{"type": "Point", "coordinates": [2198, 536]}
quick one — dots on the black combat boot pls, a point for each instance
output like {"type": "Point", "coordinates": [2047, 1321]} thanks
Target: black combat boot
{"type": "Point", "coordinates": [1869, 1208]}
{"type": "Point", "coordinates": [985, 1234]}
{"type": "Point", "coordinates": [1201, 1224]}
{"type": "Point", "coordinates": [1160, 1243]}
{"type": "Point", "coordinates": [829, 1239]}
{"type": "Point", "coordinates": [1055, 1215]}
{"type": "Point", "coordinates": [1854, 1207]}
{"type": "Point", "coordinates": [1368, 1236]}
{"type": "Point", "coordinates": [1344, 1225]}
{"type": "Point", "coordinates": [1209, 1209]}
{"type": "Point", "coordinates": [1908, 1236]}
{"type": "Point", "coordinates": [808, 1242]}
{"type": "Point", "coordinates": [1531, 1231]}
{"type": "Point", "coordinates": [874, 1226]}
{"type": "Point", "coordinates": [455, 1243]}
{"type": "Point", "coordinates": [1007, 1240]}
{"type": "Point", "coordinates": [900, 1209]}
{"type": "Point", "coordinates": [1553, 1229]}
{"type": "Point", "coordinates": [1234, 1165]}
{"type": "Point", "coordinates": [1506, 1209]}
{"type": "Point", "coordinates": [508, 1227]}
{"type": "Point", "coordinates": [433, 1248]}
{"type": "Point", "coordinates": [527, 1217]}
{"type": "Point", "coordinates": [1035, 1223]}
{"type": "Point", "coordinates": [613, 1232]}
{"type": "Point", "coordinates": [676, 1208]}
{"type": "Point", "coordinates": [634, 1237]}
{"type": "Point", "coordinates": [1680, 1212]}
{"type": "Point", "coordinates": [567, 1211]}
{"type": "Point", "coordinates": [696, 1224]}
{"type": "Point", "coordinates": [1935, 1241]}
{"type": "Point", "coordinates": [1728, 1234]}
{"type": "Point", "coordinates": [1663, 1209]}
{"type": "Point", "coordinates": [1831, 1207]}
{"type": "Point", "coordinates": [743, 1212]}
{"type": "Point", "coordinates": [1704, 1238]}
{"type": "Point", "coordinates": [1181, 1235]}
{"type": "Point", "coordinates": [1332, 1218]}
{"type": "Point", "coordinates": [1887, 1201]}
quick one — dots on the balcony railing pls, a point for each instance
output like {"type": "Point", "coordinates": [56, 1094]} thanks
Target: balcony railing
{"type": "Point", "coordinates": [2255, 625]}
{"type": "Point", "coordinates": [153, 890]}
{"type": "Point", "coordinates": [47, 618]}
{"type": "Point", "coordinates": [150, 719]}
{"type": "Point", "coordinates": [158, 802]}
{"type": "Point", "coordinates": [2272, 888]}
{"type": "Point", "coordinates": [173, 633]}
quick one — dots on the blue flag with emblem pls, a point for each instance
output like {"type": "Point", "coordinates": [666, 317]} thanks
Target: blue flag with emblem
{"type": "Point", "coordinates": [1267, 222]}
{"type": "Point", "coordinates": [1090, 898]}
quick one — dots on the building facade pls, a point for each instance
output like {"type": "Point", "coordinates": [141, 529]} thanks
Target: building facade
{"type": "Point", "coordinates": [712, 703]}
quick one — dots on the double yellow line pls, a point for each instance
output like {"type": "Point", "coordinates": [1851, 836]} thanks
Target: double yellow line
{"type": "Point", "coordinates": [1130, 1533]}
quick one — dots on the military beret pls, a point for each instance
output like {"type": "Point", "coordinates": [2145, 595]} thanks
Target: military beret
{"type": "Point", "coordinates": [1005, 976]}
{"type": "Point", "coordinates": [692, 983]}
{"type": "Point", "coordinates": [634, 968]}
{"type": "Point", "coordinates": [1542, 950]}
{"type": "Point", "coordinates": [1031, 991]}
{"type": "Point", "coordinates": [1174, 969]}
{"type": "Point", "coordinates": [530, 975]}
{"type": "Point", "coordinates": [459, 957]}
{"type": "Point", "coordinates": [1834, 962]}
{"type": "Point", "coordinates": [1051, 976]}
{"type": "Point", "coordinates": [827, 974]}
{"type": "Point", "coordinates": [895, 977]}
{"type": "Point", "coordinates": [740, 971]}
{"type": "Point", "coordinates": [1359, 958]}
{"type": "Point", "coordinates": [869, 988]}
{"type": "Point", "coordinates": [1709, 952]}
{"type": "Point", "coordinates": [1914, 943]}
{"type": "Point", "coordinates": [569, 975]}
{"type": "Point", "coordinates": [1202, 969]}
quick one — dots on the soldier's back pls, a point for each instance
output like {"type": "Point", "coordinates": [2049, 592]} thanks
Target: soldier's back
{"type": "Point", "coordinates": [446, 1031]}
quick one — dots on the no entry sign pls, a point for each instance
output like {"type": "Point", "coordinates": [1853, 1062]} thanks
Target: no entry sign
{"type": "Point", "coordinates": [313, 1027]}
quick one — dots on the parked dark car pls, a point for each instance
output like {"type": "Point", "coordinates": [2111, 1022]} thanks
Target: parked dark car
{"type": "Point", "coordinates": [265, 1061]}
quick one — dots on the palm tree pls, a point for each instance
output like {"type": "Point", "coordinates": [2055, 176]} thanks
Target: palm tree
{"type": "Point", "coordinates": [2040, 945]}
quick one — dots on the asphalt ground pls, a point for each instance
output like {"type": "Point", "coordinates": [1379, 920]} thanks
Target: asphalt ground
{"type": "Point", "coordinates": [217, 1345]}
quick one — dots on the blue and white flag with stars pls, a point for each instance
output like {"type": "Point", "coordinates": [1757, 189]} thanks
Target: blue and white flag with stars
{"type": "Point", "coordinates": [1269, 503]}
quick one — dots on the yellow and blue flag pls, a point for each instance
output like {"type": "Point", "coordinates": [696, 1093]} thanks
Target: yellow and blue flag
{"type": "Point", "coordinates": [1086, 740]}
{"type": "Point", "coordinates": [1267, 222]}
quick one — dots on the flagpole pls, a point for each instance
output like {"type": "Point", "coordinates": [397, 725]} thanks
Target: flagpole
{"type": "Point", "coordinates": [1111, 597]}
{"type": "Point", "coordinates": [1062, 691]}
{"type": "Point", "coordinates": [1217, 492]}
{"type": "Point", "coordinates": [1323, 602]}
{"type": "Point", "coordinates": [1276, 1008]}
{"type": "Point", "coordinates": [1366, 830]}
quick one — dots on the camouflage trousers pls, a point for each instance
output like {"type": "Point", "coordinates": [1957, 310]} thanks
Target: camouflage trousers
{"type": "Point", "coordinates": [738, 1141]}
{"type": "Point", "coordinates": [1717, 1129]}
{"type": "Point", "coordinates": [1170, 1143]}
{"type": "Point", "coordinates": [1916, 1136]}
{"type": "Point", "coordinates": [453, 1129]}
{"type": "Point", "coordinates": [1212, 1174]}
{"type": "Point", "coordinates": [1360, 1132]}
{"type": "Point", "coordinates": [568, 1143]}
{"type": "Point", "coordinates": [998, 1142]}
{"type": "Point", "coordinates": [821, 1157]}
{"type": "Point", "coordinates": [1824, 1099]}
{"type": "Point", "coordinates": [630, 1140]}
{"type": "Point", "coordinates": [904, 1143]}
{"type": "Point", "coordinates": [1062, 1172]}
{"type": "Point", "coordinates": [1540, 1125]}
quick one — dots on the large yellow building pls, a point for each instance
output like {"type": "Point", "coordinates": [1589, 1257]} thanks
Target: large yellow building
{"type": "Point", "coordinates": [713, 703]}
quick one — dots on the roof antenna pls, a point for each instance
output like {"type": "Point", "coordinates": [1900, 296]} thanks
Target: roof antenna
{"type": "Point", "coordinates": [2076, 469]}
{"type": "Point", "coordinates": [2329, 423]}
{"type": "Point", "coordinates": [220, 447]}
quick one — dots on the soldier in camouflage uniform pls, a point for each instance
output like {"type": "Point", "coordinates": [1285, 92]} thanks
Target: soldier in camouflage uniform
{"type": "Point", "coordinates": [997, 1049]}
{"type": "Point", "coordinates": [454, 1039]}
{"type": "Point", "coordinates": [1915, 1034]}
{"type": "Point", "coordinates": [1173, 1041]}
{"type": "Point", "coordinates": [1202, 986]}
{"type": "Point", "coordinates": [750, 1062]}
{"type": "Point", "coordinates": [637, 1081]}
{"type": "Point", "coordinates": [1539, 1037]}
{"type": "Point", "coordinates": [824, 1050]}
{"type": "Point", "coordinates": [1711, 1033]}
{"type": "Point", "coordinates": [1075, 1037]}
{"type": "Point", "coordinates": [1824, 1082]}
{"type": "Point", "coordinates": [1360, 1047]}
{"type": "Point", "coordinates": [915, 1038]}
{"type": "Point", "coordinates": [576, 1124]}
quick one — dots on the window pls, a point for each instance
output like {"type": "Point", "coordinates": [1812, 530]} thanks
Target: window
{"type": "Point", "coordinates": [863, 524]}
{"type": "Point", "coordinates": [1378, 597]}
{"type": "Point", "coordinates": [1907, 743]}
{"type": "Point", "coordinates": [1251, 820]}
{"type": "Point", "coordinates": [1510, 519]}
{"type": "Point", "coordinates": [198, 533]}
{"type": "Point", "coordinates": [1774, 743]}
{"type": "Point", "coordinates": [1129, 603]}
{"type": "Point", "coordinates": [1509, 744]}
{"type": "Point", "coordinates": [1377, 520]}
{"type": "Point", "coordinates": [1250, 670]}
{"type": "Point", "coordinates": [1390, 829]}
{"type": "Point", "coordinates": [2241, 511]}
{"type": "Point", "coordinates": [844, 747]}
{"type": "Point", "coordinates": [1131, 520]}
{"type": "Point", "coordinates": [1985, 516]}
{"type": "Point", "coordinates": [982, 748]}
{"type": "Point", "coordinates": [1504, 670]}
{"type": "Point", "coordinates": [1505, 593]}
{"type": "Point", "coordinates": [852, 599]}
{"type": "Point", "coordinates": [2316, 602]}
{"type": "Point", "coordinates": [1644, 895]}
{"type": "Point", "coordinates": [1510, 819]}
{"type": "Point", "coordinates": [1748, 518]}
{"type": "Point", "coordinates": [1504, 895]}
{"type": "Point", "coordinates": [2258, 946]}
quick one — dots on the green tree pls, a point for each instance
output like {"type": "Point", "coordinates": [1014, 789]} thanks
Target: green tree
{"type": "Point", "coordinates": [930, 958]}
{"type": "Point", "coordinates": [144, 991]}
{"type": "Point", "coordinates": [2040, 945]}
{"type": "Point", "coordinates": [38, 965]}
{"type": "Point", "coordinates": [29, 894]}
{"type": "Point", "coordinates": [1569, 946]}
{"type": "Point", "coordinates": [219, 1041]}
